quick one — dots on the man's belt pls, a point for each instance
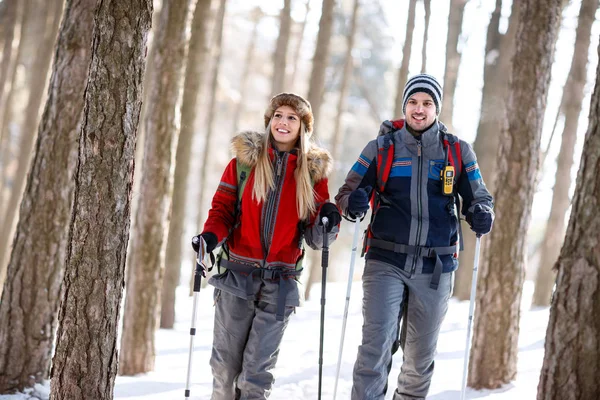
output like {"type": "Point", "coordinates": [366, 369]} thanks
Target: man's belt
{"type": "Point", "coordinates": [417, 251]}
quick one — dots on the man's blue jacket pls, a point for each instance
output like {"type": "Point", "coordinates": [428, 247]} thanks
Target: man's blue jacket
{"type": "Point", "coordinates": [413, 211]}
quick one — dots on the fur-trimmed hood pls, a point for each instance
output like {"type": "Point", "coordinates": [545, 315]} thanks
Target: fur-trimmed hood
{"type": "Point", "coordinates": [246, 147]}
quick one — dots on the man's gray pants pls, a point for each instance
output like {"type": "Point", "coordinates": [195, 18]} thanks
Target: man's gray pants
{"type": "Point", "coordinates": [387, 291]}
{"type": "Point", "coordinates": [245, 347]}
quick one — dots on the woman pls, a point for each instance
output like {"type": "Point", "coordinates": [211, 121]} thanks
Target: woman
{"type": "Point", "coordinates": [280, 178]}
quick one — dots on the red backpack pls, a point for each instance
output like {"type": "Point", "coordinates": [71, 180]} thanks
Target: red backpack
{"type": "Point", "coordinates": [385, 153]}
{"type": "Point", "coordinates": [385, 159]}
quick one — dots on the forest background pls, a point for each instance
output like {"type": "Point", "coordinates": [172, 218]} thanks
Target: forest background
{"type": "Point", "coordinates": [518, 84]}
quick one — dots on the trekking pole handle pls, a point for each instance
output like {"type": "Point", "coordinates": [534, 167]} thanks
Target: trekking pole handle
{"type": "Point", "coordinates": [201, 256]}
{"type": "Point", "coordinates": [325, 221]}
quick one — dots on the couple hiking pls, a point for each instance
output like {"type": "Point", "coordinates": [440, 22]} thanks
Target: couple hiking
{"type": "Point", "coordinates": [272, 198]}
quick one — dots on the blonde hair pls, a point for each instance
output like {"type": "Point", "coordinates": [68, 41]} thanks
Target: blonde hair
{"type": "Point", "coordinates": [263, 174]}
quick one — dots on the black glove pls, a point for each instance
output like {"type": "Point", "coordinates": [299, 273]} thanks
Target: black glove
{"type": "Point", "coordinates": [358, 201]}
{"type": "Point", "coordinates": [210, 239]}
{"type": "Point", "coordinates": [332, 213]}
{"type": "Point", "coordinates": [481, 219]}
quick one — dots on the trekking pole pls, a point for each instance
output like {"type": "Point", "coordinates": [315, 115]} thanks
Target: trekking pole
{"type": "Point", "coordinates": [324, 262]}
{"type": "Point", "coordinates": [471, 310]}
{"type": "Point", "coordinates": [348, 290]}
{"type": "Point", "coordinates": [199, 272]}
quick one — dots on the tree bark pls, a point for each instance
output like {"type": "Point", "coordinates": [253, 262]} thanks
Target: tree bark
{"type": "Point", "coordinates": [494, 353]}
{"type": "Point", "coordinates": [85, 363]}
{"type": "Point", "coordinates": [453, 56]}
{"type": "Point", "coordinates": [406, 50]}
{"type": "Point", "coordinates": [280, 54]}
{"type": "Point", "coordinates": [42, 47]}
{"type": "Point", "coordinates": [142, 303]}
{"type": "Point", "coordinates": [256, 16]}
{"type": "Point", "coordinates": [196, 63]}
{"type": "Point", "coordinates": [427, 6]}
{"type": "Point", "coordinates": [571, 107]}
{"type": "Point", "coordinates": [320, 59]}
{"type": "Point", "coordinates": [31, 297]}
{"type": "Point", "coordinates": [572, 349]}
{"type": "Point", "coordinates": [140, 142]}
{"type": "Point", "coordinates": [498, 56]}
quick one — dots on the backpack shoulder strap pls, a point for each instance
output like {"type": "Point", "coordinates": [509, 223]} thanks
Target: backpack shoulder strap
{"type": "Point", "coordinates": [454, 157]}
{"type": "Point", "coordinates": [452, 143]}
{"type": "Point", "coordinates": [385, 158]}
{"type": "Point", "coordinates": [243, 171]}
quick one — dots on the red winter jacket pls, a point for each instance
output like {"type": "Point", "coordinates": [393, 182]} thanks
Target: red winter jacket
{"type": "Point", "coordinates": [268, 234]}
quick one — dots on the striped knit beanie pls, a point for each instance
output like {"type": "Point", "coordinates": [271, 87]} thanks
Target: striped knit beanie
{"type": "Point", "coordinates": [423, 83]}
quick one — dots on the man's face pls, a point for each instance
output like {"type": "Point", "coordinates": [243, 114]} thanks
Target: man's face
{"type": "Point", "coordinates": [420, 111]}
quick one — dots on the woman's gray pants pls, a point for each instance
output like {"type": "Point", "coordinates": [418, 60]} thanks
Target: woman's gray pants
{"type": "Point", "coordinates": [245, 347]}
{"type": "Point", "coordinates": [389, 295]}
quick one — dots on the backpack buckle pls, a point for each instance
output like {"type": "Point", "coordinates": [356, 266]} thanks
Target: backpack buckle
{"type": "Point", "coordinates": [269, 273]}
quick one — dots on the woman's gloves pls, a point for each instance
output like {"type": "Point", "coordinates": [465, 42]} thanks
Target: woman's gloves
{"type": "Point", "coordinates": [332, 213]}
{"type": "Point", "coordinates": [209, 238]}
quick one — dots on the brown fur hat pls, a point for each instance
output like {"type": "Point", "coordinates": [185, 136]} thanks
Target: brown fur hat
{"type": "Point", "coordinates": [298, 103]}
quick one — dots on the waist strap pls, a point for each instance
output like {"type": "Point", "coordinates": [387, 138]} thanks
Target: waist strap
{"type": "Point", "coordinates": [264, 273]}
{"type": "Point", "coordinates": [418, 251]}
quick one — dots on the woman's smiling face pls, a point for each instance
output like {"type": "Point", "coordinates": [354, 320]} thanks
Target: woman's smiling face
{"type": "Point", "coordinates": [285, 128]}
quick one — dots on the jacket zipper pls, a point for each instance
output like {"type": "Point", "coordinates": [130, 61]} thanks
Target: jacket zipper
{"type": "Point", "coordinates": [419, 204]}
{"type": "Point", "coordinates": [271, 205]}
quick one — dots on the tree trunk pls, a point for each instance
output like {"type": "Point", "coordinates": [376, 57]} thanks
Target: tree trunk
{"type": "Point", "coordinates": [296, 58]}
{"type": "Point", "coordinates": [320, 59]}
{"type": "Point", "coordinates": [280, 54]}
{"type": "Point", "coordinates": [427, 6]}
{"type": "Point", "coordinates": [214, 86]}
{"type": "Point", "coordinates": [35, 271]}
{"type": "Point", "coordinates": [6, 85]}
{"type": "Point", "coordinates": [44, 45]}
{"type": "Point", "coordinates": [498, 56]}
{"type": "Point", "coordinates": [256, 16]}
{"type": "Point", "coordinates": [142, 303]}
{"type": "Point", "coordinates": [455, 21]}
{"type": "Point", "coordinates": [196, 63]}
{"type": "Point", "coordinates": [406, 50]}
{"type": "Point", "coordinates": [314, 265]}
{"type": "Point", "coordinates": [8, 25]}
{"type": "Point", "coordinates": [571, 107]}
{"type": "Point", "coordinates": [496, 331]}
{"type": "Point", "coordinates": [85, 363]}
{"type": "Point", "coordinates": [572, 351]}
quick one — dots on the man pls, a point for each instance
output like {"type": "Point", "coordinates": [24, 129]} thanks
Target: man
{"type": "Point", "coordinates": [413, 238]}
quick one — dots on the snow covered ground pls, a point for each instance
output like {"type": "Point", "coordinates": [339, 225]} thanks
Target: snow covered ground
{"type": "Point", "coordinates": [297, 368]}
